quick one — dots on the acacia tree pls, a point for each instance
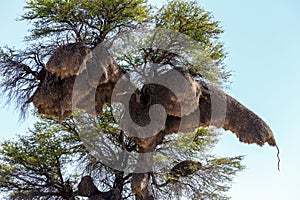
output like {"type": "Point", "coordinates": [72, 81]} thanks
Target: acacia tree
{"type": "Point", "coordinates": [49, 161]}
{"type": "Point", "coordinates": [65, 37]}
{"type": "Point", "coordinates": [35, 165]}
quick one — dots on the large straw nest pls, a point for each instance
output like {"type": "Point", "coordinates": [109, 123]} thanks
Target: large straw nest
{"type": "Point", "coordinates": [67, 59]}
{"type": "Point", "coordinates": [247, 126]}
{"type": "Point", "coordinates": [76, 63]}
{"type": "Point", "coordinates": [235, 117]}
{"type": "Point", "coordinates": [106, 85]}
{"type": "Point", "coordinates": [100, 88]}
{"type": "Point", "coordinates": [182, 104]}
{"type": "Point", "coordinates": [100, 76]}
{"type": "Point", "coordinates": [53, 96]}
{"type": "Point", "coordinates": [179, 102]}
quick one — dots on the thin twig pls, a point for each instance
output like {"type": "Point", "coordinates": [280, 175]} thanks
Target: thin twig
{"type": "Point", "coordinates": [278, 157]}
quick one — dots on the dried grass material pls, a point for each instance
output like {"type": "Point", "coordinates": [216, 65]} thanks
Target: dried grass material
{"type": "Point", "coordinates": [103, 95]}
{"type": "Point", "coordinates": [67, 60]}
{"type": "Point", "coordinates": [94, 101]}
{"type": "Point", "coordinates": [100, 62]}
{"type": "Point", "coordinates": [179, 102]}
{"type": "Point", "coordinates": [185, 168]}
{"type": "Point", "coordinates": [112, 73]}
{"type": "Point", "coordinates": [99, 78]}
{"type": "Point", "coordinates": [87, 103]}
{"type": "Point", "coordinates": [247, 126]}
{"type": "Point", "coordinates": [176, 106]}
{"type": "Point", "coordinates": [184, 124]}
{"type": "Point", "coordinates": [54, 96]}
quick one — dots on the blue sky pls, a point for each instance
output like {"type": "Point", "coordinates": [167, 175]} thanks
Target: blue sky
{"type": "Point", "coordinates": [262, 41]}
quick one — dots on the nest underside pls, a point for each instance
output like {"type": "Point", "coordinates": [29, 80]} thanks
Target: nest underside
{"type": "Point", "coordinates": [247, 126]}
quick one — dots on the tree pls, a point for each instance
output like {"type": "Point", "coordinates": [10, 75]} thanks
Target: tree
{"type": "Point", "coordinates": [49, 160]}
{"type": "Point", "coordinates": [35, 165]}
{"type": "Point", "coordinates": [88, 54]}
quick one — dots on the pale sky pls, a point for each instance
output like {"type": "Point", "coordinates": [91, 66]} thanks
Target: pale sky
{"type": "Point", "coordinates": [262, 41]}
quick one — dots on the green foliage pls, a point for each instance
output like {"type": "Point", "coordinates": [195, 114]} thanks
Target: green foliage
{"type": "Point", "coordinates": [82, 20]}
{"type": "Point", "coordinates": [209, 183]}
{"type": "Point", "coordinates": [188, 18]}
{"type": "Point", "coordinates": [47, 161]}
{"type": "Point", "coordinates": [36, 165]}
{"type": "Point", "coordinates": [57, 22]}
{"type": "Point", "coordinates": [214, 178]}
{"type": "Point", "coordinates": [94, 21]}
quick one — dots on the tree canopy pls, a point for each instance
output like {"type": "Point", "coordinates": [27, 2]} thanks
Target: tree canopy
{"type": "Point", "coordinates": [188, 18]}
{"type": "Point", "coordinates": [49, 161]}
{"type": "Point", "coordinates": [79, 20]}
{"type": "Point", "coordinates": [87, 53]}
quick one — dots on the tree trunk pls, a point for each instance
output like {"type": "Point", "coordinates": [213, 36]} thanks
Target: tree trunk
{"type": "Point", "coordinates": [140, 182]}
{"type": "Point", "coordinates": [141, 186]}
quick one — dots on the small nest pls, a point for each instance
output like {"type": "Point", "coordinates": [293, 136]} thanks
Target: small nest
{"type": "Point", "coordinates": [67, 60]}
{"type": "Point", "coordinates": [185, 168]}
